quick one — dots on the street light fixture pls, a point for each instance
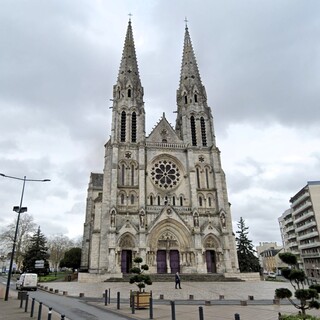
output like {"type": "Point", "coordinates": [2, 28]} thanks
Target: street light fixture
{"type": "Point", "coordinates": [19, 209]}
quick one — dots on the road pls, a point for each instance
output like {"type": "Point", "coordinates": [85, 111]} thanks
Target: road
{"type": "Point", "coordinates": [72, 308]}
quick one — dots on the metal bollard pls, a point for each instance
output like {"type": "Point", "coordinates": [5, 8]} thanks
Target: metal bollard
{"type": "Point", "coordinates": [150, 308]}
{"type": "Point", "coordinates": [26, 305]}
{"type": "Point", "coordinates": [109, 296]}
{"type": "Point", "coordinates": [118, 300]}
{"type": "Point", "coordinates": [106, 297]}
{"type": "Point", "coordinates": [32, 308]}
{"type": "Point", "coordinates": [132, 303]}
{"type": "Point", "coordinates": [62, 317]}
{"type": "Point", "coordinates": [173, 310]}
{"type": "Point", "coordinates": [236, 316]}
{"type": "Point", "coordinates": [50, 313]}
{"type": "Point", "coordinates": [21, 300]}
{"type": "Point", "coordinates": [39, 310]}
{"type": "Point", "coordinates": [201, 313]}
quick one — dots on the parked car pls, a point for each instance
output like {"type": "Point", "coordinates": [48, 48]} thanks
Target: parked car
{"type": "Point", "coordinates": [27, 281]}
{"type": "Point", "coordinates": [272, 275]}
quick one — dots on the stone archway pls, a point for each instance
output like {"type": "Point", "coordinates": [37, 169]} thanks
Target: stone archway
{"type": "Point", "coordinates": [211, 245]}
{"type": "Point", "coordinates": [126, 244]}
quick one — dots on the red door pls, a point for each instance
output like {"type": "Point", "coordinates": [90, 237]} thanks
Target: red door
{"type": "Point", "coordinates": [211, 261]}
{"type": "Point", "coordinates": [126, 261]}
{"type": "Point", "coordinates": [174, 261]}
{"type": "Point", "coordinates": [161, 261]}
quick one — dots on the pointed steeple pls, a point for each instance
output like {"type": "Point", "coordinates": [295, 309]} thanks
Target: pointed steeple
{"type": "Point", "coordinates": [128, 76]}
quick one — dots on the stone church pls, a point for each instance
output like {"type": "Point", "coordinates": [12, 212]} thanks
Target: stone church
{"type": "Point", "coordinates": [161, 196]}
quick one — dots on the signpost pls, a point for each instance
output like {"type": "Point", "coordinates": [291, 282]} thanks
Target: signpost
{"type": "Point", "coordinates": [39, 264]}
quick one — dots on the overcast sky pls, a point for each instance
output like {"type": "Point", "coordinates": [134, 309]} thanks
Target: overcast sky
{"type": "Point", "coordinates": [259, 61]}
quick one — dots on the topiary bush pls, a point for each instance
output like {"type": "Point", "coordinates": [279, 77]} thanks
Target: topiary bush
{"type": "Point", "coordinates": [139, 278]}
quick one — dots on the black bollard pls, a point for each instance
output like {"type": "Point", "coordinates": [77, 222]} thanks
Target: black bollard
{"type": "Point", "coordinates": [151, 308]}
{"type": "Point", "coordinates": [118, 300]}
{"type": "Point", "coordinates": [26, 305]}
{"type": "Point", "coordinates": [50, 313]}
{"type": "Point", "coordinates": [62, 317]}
{"type": "Point", "coordinates": [32, 308]}
{"type": "Point", "coordinates": [201, 313]}
{"type": "Point", "coordinates": [106, 297]}
{"type": "Point", "coordinates": [109, 296]}
{"type": "Point", "coordinates": [132, 303]}
{"type": "Point", "coordinates": [236, 316]}
{"type": "Point", "coordinates": [173, 310]}
{"type": "Point", "coordinates": [39, 310]}
{"type": "Point", "coordinates": [21, 299]}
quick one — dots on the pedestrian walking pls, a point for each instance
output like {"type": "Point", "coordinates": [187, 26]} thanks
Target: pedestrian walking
{"type": "Point", "coordinates": [178, 280]}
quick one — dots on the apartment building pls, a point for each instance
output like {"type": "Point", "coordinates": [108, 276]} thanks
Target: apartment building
{"type": "Point", "coordinates": [299, 228]}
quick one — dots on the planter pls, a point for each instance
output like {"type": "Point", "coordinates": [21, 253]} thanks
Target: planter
{"type": "Point", "coordinates": [141, 299]}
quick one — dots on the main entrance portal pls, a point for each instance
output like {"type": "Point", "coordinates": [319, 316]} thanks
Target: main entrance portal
{"type": "Point", "coordinates": [165, 258]}
{"type": "Point", "coordinates": [211, 261]}
{"type": "Point", "coordinates": [126, 261]}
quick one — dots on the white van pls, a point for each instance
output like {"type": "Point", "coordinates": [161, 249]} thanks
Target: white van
{"type": "Point", "coordinates": [27, 281]}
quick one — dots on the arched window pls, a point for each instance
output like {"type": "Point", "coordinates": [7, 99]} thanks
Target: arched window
{"type": "Point", "coordinates": [207, 178]}
{"type": "Point", "coordinates": [151, 200]}
{"type": "Point", "coordinates": [132, 199]}
{"type": "Point", "coordinates": [185, 99]}
{"type": "Point", "coordinates": [132, 175]}
{"type": "Point", "coordinates": [196, 98]}
{"type": "Point", "coordinates": [193, 131]}
{"type": "Point", "coordinates": [198, 177]}
{"type": "Point", "coordinates": [123, 126]}
{"type": "Point", "coordinates": [119, 94]}
{"type": "Point", "coordinates": [123, 169]}
{"type": "Point", "coordinates": [134, 127]}
{"type": "Point", "coordinates": [203, 132]}
{"type": "Point", "coordinates": [122, 198]}
{"type": "Point", "coordinates": [159, 200]}
{"type": "Point", "coordinates": [129, 93]}
{"type": "Point", "coordinates": [209, 201]}
{"type": "Point", "coordinates": [173, 200]}
{"type": "Point", "coordinates": [181, 201]}
{"type": "Point", "coordinates": [200, 201]}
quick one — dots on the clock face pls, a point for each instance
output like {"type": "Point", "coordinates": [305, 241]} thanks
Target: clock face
{"type": "Point", "coordinates": [165, 174]}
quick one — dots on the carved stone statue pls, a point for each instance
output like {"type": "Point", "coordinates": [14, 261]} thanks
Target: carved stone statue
{"type": "Point", "coordinates": [196, 221]}
{"type": "Point", "coordinates": [112, 219]}
{"type": "Point", "coordinates": [142, 220]}
{"type": "Point", "coordinates": [223, 220]}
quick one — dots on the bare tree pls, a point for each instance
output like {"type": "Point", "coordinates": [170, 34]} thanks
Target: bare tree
{"type": "Point", "coordinates": [58, 244]}
{"type": "Point", "coordinates": [26, 228]}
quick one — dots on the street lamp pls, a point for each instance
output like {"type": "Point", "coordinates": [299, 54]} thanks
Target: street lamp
{"type": "Point", "coordinates": [19, 209]}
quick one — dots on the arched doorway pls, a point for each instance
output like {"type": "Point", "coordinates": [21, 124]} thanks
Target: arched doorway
{"type": "Point", "coordinates": [210, 245]}
{"type": "Point", "coordinates": [126, 244]}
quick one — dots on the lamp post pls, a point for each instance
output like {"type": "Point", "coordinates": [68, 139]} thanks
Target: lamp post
{"type": "Point", "coordinates": [19, 209]}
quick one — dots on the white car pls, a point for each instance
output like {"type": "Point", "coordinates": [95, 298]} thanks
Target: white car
{"type": "Point", "coordinates": [272, 275]}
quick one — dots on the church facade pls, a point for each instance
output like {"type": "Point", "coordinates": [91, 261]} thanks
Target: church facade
{"type": "Point", "coordinates": [162, 196]}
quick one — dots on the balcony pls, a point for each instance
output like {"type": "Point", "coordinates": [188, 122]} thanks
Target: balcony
{"type": "Point", "coordinates": [310, 255]}
{"type": "Point", "coordinates": [292, 227]}
{"type": "Point", "coordinates": [304, 217]}
{"type": "Point", "coordinates": [315, 244]}
{"type": "Point", "coordinates": [306, 226]}
{"type": "Point", "coordinates": [302, 208]}
{"type": "Point", "coordinates": [303, 197]}
{"type": "Point", "coordinates": [292, 236]}
{"type": "Point", "coordinates": [308, 235]}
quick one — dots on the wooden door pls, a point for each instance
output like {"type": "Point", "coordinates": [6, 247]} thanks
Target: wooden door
{"type": "Point", "coordinates": [126, 261]}
{"type": "Point", "coordinates": [211, 261]}
{"type": "Point", "coordinates": [174, 261]}
{"type": "Point", "coordinates": [161, 261]}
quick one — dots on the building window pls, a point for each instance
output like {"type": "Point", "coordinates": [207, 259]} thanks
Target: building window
{"type": "Point", "coordinates": [207, 178]}
{"type": "Point", "coordinates": [122, 174]}
{"type": "Point", "coordinates": [159, 200]}
{"type": "Point", "coordinates": [173, 200]}
{"type": "Point", "coordinates": [203, 132]}
{"type": "Point", "coordinates": [122, 198]}
{"type": "Point", "coordinates": [151, 200]}
{"type": "Point", "coordinates": [198, 177]}
{"type": "Point", "coordinates": [132, 175]}
{"type": "Point", "coordinates": [209, 201]}
{"type": "Point", "coordinates": [200, 201]}
{"type": "Point", "coordinates": [185, 99]}
{"type": "Point", "coordinates": [123, 127]}
{"type": "Point", "coordinates": [181, 201]}
{"type": "Point", "coordinates": [196, 98]}
{"type": "Point", "coordinates": [134, 127]}
{"type": "Point", "coordinates": [193, 131]}
{"type": "Point", "coordinates": [132, 199]}
{"type": "Point", "coordinates": [129, 93]}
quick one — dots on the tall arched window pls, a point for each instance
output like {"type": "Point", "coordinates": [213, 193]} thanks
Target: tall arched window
{"type": "Point", "coordinates": [173, 200]}
{"type": "Point", "coordinates": [134, 127]}
{"type": "Point", "coordinates": [200, 201]}
{"type": "Point", "coordinates": [159, 200]}
{"type": "Point", "coordinates": [151, 200]}
{"type": "Point", "coordinates": [193, 131]}
{"type": "Point", "coordinates": [207, 178]}
{"type": "Point", "coordinates": [132, 175]}
{"type": "Point", "coordinates": [198, 177]}
{"type": "Point", "coordinates": [129, 93]}
{"type": "Point", "coordinates": [132, 199]}
{"type": "Point", "coordinates": [123, 170]}
{"type": "Point", "coordinates": [181, 201]}
{"type": "Point", "coordinates": [122, 198]}
{"type": "Point", "coordinates": [209, 201]}
{"type": "Point", "coordinates": [185, 99]}
{"type": "Point", "coordinates": [196, 98]}
{"type": "Point", "coordinates": [123, 126]}
{"type": "Point", "coordinates": [203, 132]}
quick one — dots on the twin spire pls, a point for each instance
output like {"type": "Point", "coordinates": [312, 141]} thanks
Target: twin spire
{"type": "Point", "coordinates": [129, 71]}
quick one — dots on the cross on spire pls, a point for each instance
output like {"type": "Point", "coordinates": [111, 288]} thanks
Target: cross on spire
{"type": "Point", "coordinates": [186, 22]}
{"type": "Point", "coordinates": [130, 15]}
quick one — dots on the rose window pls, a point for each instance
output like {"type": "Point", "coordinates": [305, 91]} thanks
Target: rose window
{"type": "Point", "coordinates": [165, 174]}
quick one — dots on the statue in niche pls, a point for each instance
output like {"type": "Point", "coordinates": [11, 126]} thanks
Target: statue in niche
{"type": "Point", "coordinates": [113, 219]}
{"type": "Point", "coordinates": [142, 219]}
{"type": "Point", "coordinates": [223, 220]}
{"type": "Point", "coordinates": [196, 220]}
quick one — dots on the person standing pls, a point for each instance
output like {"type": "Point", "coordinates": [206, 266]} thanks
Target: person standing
{"type": "Point", "coordinates": [178, 280]}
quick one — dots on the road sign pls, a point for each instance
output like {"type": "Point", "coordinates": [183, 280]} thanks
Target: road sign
{"type": "Point", "coordinates": [39, 264]}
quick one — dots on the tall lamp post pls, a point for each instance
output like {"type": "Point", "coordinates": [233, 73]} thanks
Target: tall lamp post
{"type": "Point", "coordinates": [19, 210]}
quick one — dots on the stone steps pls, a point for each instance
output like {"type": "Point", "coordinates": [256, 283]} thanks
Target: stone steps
{"type": "Point", "coordinates": [196, 277]}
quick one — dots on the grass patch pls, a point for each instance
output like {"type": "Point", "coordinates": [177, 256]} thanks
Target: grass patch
{"type": "Point", "coordinates": [59, 276]}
